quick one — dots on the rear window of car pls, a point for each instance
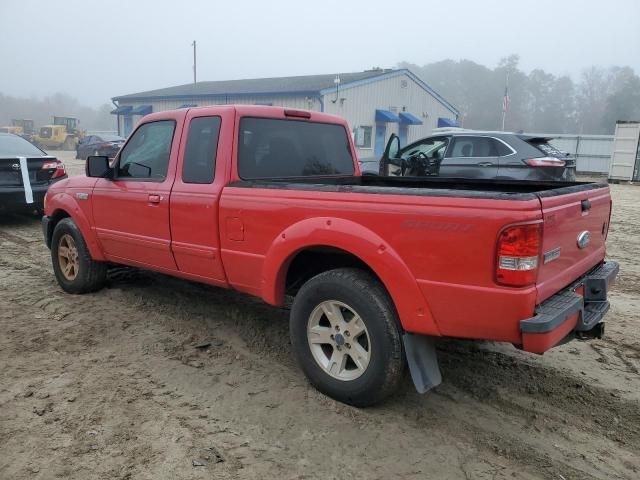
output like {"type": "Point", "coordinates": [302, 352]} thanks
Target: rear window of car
{"type": "Point", "coordinates": [545, 147]}
{"type": "Point", "coordinates": [13, 146]}
{"type": "Point", "coordinates": [275, 148]}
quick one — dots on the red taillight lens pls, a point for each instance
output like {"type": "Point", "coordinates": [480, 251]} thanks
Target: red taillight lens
{"type": "Point", "coordinates": [105, 145]}
{"type": "Point", "coordinates": [297, 113]}
{"type": "Point", "coordinates": [545, 162]}
{"type": "Point", "coordinates": [518, 255]}
{"type": "Point", "coordinates": [60, 171]}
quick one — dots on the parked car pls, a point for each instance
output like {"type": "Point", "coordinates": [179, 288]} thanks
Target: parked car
{"type": "Point", "coordinates": [483, 155]}
{"type": "Point", "coordinates": [271, 202]}
{"type": "Point", "coordinates": [103, 144]}
{"type": "Point", "coordinates": [25, 174]}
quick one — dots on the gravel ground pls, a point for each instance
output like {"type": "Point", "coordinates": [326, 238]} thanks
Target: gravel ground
{"type": "Point", "coordinates": [155, 377]}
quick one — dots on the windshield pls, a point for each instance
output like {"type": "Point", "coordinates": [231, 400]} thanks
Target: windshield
{"type": "Point", "coordinates": [13, 146]}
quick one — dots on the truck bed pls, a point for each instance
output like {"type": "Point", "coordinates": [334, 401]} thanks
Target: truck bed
{"type": "Point", "coordinates": [428, 186]}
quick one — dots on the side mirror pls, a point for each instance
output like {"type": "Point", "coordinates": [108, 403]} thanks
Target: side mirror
{"type": "Point", "coordinates": [390, 158]}
{"type": "Point", "coordinates": [97, 166]}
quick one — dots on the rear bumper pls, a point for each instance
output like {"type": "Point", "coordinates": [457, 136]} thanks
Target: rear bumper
{"type": "Point", "coordinates": [575, 310]}
{"type": "Point", "coordinates": [12, 199]}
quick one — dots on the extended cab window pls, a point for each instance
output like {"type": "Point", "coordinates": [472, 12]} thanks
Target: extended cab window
{"type": "Point", "coordinates": [146, 155]}
{"type": "Point", "coordinates": [200, 152]}
{"type": "Point", "coordinates": [274, 148]}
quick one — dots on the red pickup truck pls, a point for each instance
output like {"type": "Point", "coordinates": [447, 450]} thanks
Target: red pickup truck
{"type": "Point", "coordinates": [271, 202]}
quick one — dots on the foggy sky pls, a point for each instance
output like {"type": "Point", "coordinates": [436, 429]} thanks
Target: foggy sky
{"type": "Point", "coordinates": [95, 50]}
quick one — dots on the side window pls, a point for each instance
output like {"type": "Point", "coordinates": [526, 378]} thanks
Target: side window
{"type": "Point", "coordinates": [502, 149]}
{"type": "Point", "coordinates": [431, 148]}
{"type": "Point", "coordinates": [200, 152]}
{"type": "Point", "coordinates": [146, 155]}
{"type": "Point", "coordinates": [473, 147]}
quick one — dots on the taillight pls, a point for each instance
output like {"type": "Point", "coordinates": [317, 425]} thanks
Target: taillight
{"type": "Point", "coordinates": [297, 113]}
{"type": "Point", "coordinates": [518, 255]}
{"type": "Point", "coordinates": [60, 171]}
{"type": "Point", "coordinates": [105, 145]}
{"type": "Point", "coordinates": [545, 162]}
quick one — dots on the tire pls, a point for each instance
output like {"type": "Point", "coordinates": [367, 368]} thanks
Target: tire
{"type": "Point", "coordinates": [86, 275]}
{"type": "Point", "coordinates": [353, 292]}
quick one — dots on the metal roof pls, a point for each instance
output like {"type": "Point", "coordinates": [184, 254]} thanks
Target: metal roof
{"type": "Point", "coordinates": [304, 84]}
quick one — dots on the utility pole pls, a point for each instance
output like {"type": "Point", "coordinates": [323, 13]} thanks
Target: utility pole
{"type": "Point", "coordinates": [194, 61]}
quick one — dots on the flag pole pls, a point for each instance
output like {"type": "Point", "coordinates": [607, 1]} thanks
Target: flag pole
{"type": "Point", "coordinates": [505, 101]}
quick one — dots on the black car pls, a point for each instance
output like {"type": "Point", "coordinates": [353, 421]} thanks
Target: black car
{"type": "Point", "coordinates": [103, 144]}
{"type": "Point", "coordinates": [471, 154]}
{"type": "Point", "coordinates": [25, 174]}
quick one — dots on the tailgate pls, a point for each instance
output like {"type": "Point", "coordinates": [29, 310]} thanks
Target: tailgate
{"type": "Point", "coordinates": [575, 228]}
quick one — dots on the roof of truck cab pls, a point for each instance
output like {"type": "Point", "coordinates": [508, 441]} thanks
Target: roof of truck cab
{"type": "Point", "coordinates": [254, 111]}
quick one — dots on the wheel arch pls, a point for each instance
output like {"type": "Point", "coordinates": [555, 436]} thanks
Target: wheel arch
{"type": "Point", "coordinates": [325, 238]}
{"type": "Point", "coordinates": [66, 207]}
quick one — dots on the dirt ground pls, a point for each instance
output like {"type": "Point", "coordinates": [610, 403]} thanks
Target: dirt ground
{"type": "Point", "coordinates": [155, 377]}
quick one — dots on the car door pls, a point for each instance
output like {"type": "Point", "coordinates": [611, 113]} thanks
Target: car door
{"type": "Point", "coordinates": [131, 210]}
{"type": "Point", "coordinates": [470, 156]}
{"type": "Point", "coordinates": [200, 178]}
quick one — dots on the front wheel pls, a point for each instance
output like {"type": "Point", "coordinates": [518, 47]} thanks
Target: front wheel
{"type": "Point", "coordinates": [73, 266]}
{"type": "Point", "coordinates": [344, 331]}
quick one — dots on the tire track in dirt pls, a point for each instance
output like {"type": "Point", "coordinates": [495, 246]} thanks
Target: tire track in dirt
{"type": "Point", "coordinates": [465, 367]}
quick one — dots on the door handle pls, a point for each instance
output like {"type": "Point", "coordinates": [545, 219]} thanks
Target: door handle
{"type": "Point", "coordinates": [485, 164]}
{"type": "Point", "coordinates": [154, 198]}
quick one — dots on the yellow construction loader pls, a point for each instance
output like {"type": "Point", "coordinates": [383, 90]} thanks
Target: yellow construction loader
{"type": "Point", "coordinates": [64, 134]}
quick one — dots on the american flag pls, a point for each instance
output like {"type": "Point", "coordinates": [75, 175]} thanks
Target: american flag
{"type": "Point", "coordinates": [505, 100]}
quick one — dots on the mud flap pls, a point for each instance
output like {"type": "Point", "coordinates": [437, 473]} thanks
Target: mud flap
{"type": "Point", "coordinates": [423, 361]}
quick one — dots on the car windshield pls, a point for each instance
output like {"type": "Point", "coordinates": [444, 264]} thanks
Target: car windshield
{"type": "Point", "coordinates": [13, 146]}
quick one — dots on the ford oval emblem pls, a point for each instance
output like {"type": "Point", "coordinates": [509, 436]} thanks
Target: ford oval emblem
{"type": "Point", "coordinates": [583, 239]}
{"type": "Point", "coordinates": [15, 166]}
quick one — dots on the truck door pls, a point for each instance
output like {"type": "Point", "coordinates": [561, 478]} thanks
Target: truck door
{"type": "Point", "coordinates": [131, 210]}
{"type": "Point", "coordinates": [470, 156]}
{"type": "Point", "coordinates": [202, 173]}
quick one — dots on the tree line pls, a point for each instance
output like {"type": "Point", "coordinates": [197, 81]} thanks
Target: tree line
{"type": "Point", "coordinates": [42, 110]}
{"type": "Point", "coordinates": [539, 101]}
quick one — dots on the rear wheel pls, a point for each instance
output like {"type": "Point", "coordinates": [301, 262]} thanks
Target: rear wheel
{"type": "Point", "coordinates": [73, 266]}
{"type": "Point", "coordinates": [344, 331]}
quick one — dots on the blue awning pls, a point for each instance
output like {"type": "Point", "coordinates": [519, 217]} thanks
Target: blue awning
{"type": "Point", "coordinates": [122, 110]}
{"type": "Point", "coordinates": [141, 110]}
{"type": "Point", "coordinates": [385, 116]}
{"type": "Point", "coordinates": [188, 105]}
{"type": "Point", "coordinates": [447, 122]}
{"type": "Point", "coordinates": [408, 119]}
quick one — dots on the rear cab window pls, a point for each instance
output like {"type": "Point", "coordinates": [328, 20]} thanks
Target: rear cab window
{"type": "Point", "coordinates": [278, 148]}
